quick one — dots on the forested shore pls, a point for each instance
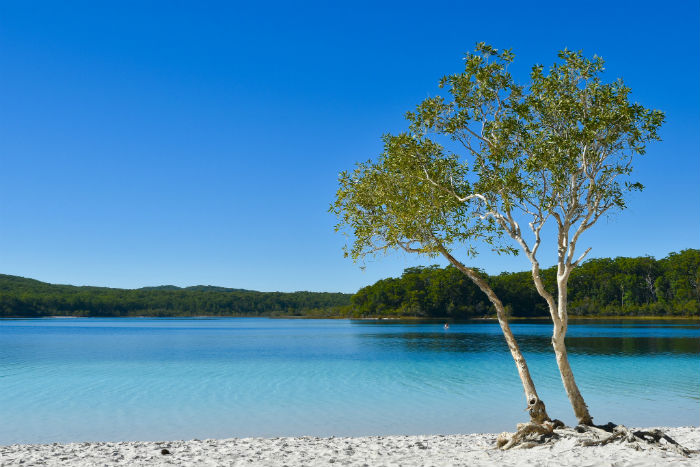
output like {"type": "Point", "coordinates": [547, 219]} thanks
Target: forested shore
{"type": "Point", "coordinates": [21, 297]}
{"type": "Point", "coordinates": [641, 286]}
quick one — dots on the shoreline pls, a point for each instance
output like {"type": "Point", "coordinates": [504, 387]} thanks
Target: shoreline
{"type": "Point", "coordinates": [547, 319]}
{"type": "Point", "coordinates": [439, 450]}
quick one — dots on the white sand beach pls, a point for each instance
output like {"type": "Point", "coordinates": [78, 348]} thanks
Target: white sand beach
{"type": "Point", "coordinates": [432, 450]}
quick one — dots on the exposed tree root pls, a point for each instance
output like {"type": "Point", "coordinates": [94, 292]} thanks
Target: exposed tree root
{"type": "Point", "coordinates": [606, 434]}
{"type": "Point", "coordinates": [537, 434]}
{"type": "Point", "coordinates": [529, 435]}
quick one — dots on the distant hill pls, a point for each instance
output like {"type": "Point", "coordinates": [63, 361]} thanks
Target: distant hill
{"type": "Point", "coordinates": [214, 288]}
{"type": "Point", "coordinates": [200, 288]}
{"type": "Point", "coordinates": [23, 297]}
{"type": "Point", "coordinates": [641, 286]}
{"type": "Point", "coordinates": [161, 287]}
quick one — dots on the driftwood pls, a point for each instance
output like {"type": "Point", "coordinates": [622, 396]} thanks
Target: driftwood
{"type": "Point", "coordinates": [534, 434]}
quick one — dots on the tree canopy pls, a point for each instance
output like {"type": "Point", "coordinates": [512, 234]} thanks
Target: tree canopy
{"type": "Point", "coordinates": [393, 203]}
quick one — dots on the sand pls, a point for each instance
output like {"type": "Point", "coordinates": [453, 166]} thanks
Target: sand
{"type": "Point", "coordinates": [430, 450]}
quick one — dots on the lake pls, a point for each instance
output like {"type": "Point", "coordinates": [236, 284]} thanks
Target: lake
{"type": "Point", "coordinates": [88, 379]}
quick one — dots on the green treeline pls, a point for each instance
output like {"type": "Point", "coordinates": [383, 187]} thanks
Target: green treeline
{"type": "Point", "coordinates": [600, 287]}
{"type": "Point", "coordinates": [20, 297]}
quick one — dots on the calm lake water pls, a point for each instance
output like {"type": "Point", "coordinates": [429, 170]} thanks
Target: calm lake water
{"type": "Point", "coordinates": [129, 379]}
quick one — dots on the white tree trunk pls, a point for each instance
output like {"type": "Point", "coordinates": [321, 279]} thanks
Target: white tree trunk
{"type": "Point", "coordinates": [559, 345]}
{"type": "Point", "coordinates": [535, 406]}
{"type": "Point", "coordinates": [559, 313]}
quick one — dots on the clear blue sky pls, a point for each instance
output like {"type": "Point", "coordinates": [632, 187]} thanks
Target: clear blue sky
{"type": "Point", "coordinates": [146, 143]}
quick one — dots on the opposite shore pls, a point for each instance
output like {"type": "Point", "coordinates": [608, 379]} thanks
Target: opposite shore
{"type": "Point", "coordinates": [627, 288]}
{"type": "Point", "coordinates": [543, 319]}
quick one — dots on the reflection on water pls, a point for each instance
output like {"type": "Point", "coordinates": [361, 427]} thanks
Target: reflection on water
{"type": "Point", "coordinates": [463, 342]}
{"type": "Point", "coordinates": [143, 378]}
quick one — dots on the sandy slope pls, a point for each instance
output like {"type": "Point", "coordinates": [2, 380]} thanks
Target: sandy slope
{"type": "Point", "coordinates": [433, 450]}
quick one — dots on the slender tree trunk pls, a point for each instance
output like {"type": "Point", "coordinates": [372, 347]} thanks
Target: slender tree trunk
{"type": "Point", "coordinates": [535, 406]}
{"type": "Point", "coordinates": [560, 317]}
{"type": "Point", "coordinates": [567, 377]}
{"type": "Point", "coordinates": [559, 345]}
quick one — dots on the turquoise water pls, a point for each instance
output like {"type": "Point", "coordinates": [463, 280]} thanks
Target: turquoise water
{"type": "Point", "coordinates": [140, 378]}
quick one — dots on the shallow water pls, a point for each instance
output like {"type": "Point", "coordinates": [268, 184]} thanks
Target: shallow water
{"type": "Point", "coordinates": [141, 378]}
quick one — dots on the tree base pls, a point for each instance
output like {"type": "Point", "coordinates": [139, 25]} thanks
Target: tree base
{"type": "Point", "coordinates": [529, 435]}
{"type": "Point", "coordinates": [538, 412]}
{"type": "Point", "coordinates": [539, 434]}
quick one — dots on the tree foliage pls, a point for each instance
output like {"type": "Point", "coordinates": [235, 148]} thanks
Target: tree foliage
{"type": "Point", "coordinates": [393, 204]}
{"type": "Point", "coordinates": [560, 146]}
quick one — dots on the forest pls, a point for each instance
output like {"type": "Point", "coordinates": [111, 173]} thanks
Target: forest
{"type": "Point", "coordinates": [20, 297]}
{"type": "Point", "coordinates": [641, 286]}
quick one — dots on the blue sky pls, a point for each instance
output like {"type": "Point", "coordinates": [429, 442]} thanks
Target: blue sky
{"type": "Point", "coordinates": [146, 143]}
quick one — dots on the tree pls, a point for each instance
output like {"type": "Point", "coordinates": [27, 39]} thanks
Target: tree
{"type": "Point", "coordinates": [560, 148]}
{"type": "Point", "coordinates": [389, 205]}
